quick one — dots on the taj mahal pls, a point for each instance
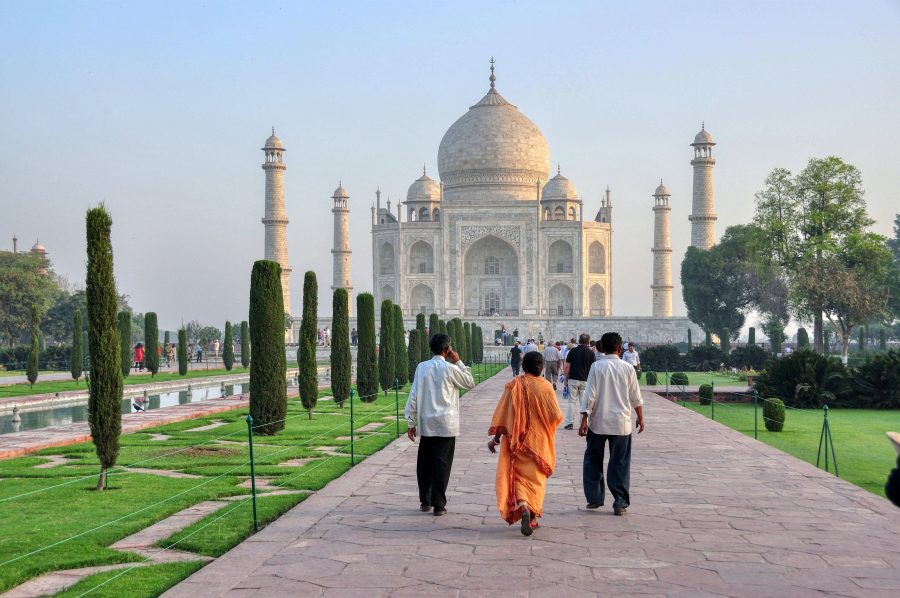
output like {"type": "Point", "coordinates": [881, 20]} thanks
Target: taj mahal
{"type": "Point", "coordinates": [500, 238]}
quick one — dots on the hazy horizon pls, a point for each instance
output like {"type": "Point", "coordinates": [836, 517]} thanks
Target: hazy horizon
{"type": "Point", "coordinates": [160, 110]}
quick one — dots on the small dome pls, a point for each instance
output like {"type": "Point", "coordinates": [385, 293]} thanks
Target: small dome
{"type": "Point", "coordinates": [661, 190]}
{"type": "Point", "coordinates": [703, 138]}
{"type": "Point", "coordinates": [273, 142]}
{"type": "Point", "coordinates": [424, 188]}
{"type": "Point", "coordinates": [559, 187]}
{"type": "Point", "coordinates": [340, 192]}
{"type": "Point", "coordinates": [38, 248]}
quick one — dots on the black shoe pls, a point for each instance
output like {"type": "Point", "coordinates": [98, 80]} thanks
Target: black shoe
{"type": "Point", "coordinates": [620, 511]}
{"type": "Point", "coordinates": [568, 427]}
{"type": "Point", "coordinates": [526, 523]}
{"type": "Point", "coordinates": [439, 511]}
{"type": "Point", "coordinates": [554, 387]}
{"type": "Point", "coordinates": [424, 508]}
{"type": "Point", "coordinates": [594, 505]}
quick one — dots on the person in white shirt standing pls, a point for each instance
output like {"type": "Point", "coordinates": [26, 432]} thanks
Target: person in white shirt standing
{"type": "Point", "coordinates": [611, 397]}
{"type": "Point", "coordinates": [631, 357]}
{"type": "Point", "coordinates": [432, 412]}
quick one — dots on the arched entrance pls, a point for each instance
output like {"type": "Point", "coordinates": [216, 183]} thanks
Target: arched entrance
{"type": "Point", "coordinates": [421, 300]}
{"type": "Point", "coordinates": [491, 278]}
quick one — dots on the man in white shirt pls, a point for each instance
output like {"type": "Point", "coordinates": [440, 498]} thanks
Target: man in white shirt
{"type": "Point", "coordinates": [432, 411]}
{"type": "Point", "coordinates": [611, 396]}
{"type": "Point", "coordinates": [530, 346]}
{"type": "Point", "coordinates": [631, 357]}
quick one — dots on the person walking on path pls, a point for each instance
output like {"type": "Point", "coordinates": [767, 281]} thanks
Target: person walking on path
{"type": "Point", "coordinates": [139, 356]}
{"type": "Point", "coordinates": [354, 337]}
{"type": "Point", "coordinates": [515, 358]}
{"type": "Point", "coordinates": [551, 363]}
{"type": "Point", "coordinates": [432, 412]}
{"type": "Point", "coordinates": [530, 346]}
{"type": "Point", "coordinates": [611, 396]}
{"type": "Point", "coordinates": [578, 363]}
{"type": "Point", "coordinates": [632, 358]}
{"type": "Point", "coordinates": [527, 415]}
{"type": "Point", "coordinates": [170, 354]}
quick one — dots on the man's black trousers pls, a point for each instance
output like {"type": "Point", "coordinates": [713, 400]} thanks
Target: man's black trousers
{"type": "Point", "coordinates": [433, 469]}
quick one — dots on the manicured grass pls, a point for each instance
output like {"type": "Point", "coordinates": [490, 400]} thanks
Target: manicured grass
{"type": "Point", "coordinates": [151, 580]}
{"type": "Point", "coordinates": [864, 454]}
{"type": "Point", "coordinates": [52, 386]}
{"type": "Point", "coordinates": [698, 378]}
{"type": "Point", "coordinates": [66, 510]}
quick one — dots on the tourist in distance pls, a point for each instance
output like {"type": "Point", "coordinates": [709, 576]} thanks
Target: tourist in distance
{"type": "Point", "coordinates": [432, 411]}
{"type": "Point", "coordinates": [576, 367]}
{"type": "Point", "coordinates": [551, 363]}
{"type": "Point", "coordinates": [632, 358]}
{"type": "Point", "coordinates": [515, 358]}
{"type": "Point", "coordinates": [611, 395]}
{"type": "Point", "coordinates": [526, 416]}
{"type": "Point", "coordinates": [530, 346]}
{"type": "Point", "coordinates": [139, 356]}
{"type": "Point", "coordinates": [354, 337]}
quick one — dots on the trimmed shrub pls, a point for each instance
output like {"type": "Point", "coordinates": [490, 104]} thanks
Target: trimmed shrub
{"type": "Point", "coordinates": [182, 352]}
{"type": "Point", "coordinates": [705, 393]}
{"type": "Point", "coordinates": [268, 390]}
{"type": "Point", "coordinates": [775, 332]}
{"type": "Point", "coordinates": [31, 368]}
{"type": "Point", "coordinates": [804, 378]}
{"type": "Point", "coordinates": [386, 347]}
{"type": "Point", "coordinates": [651, 378]}
{"type": "Point", "coordinates": [228, 347]}
{"type": "Point", "coordinates": [151, 343]}
{"type": "Point", "coordinates": [661, 358]}
{"type": "Point", "coordinates": [308, 376]}
{"type": "Point", "coordinates": [725, 341]}
{"type": "Point", "coordinates": [401, 371]}
{"type": "Point", "coordinates": [105, 398]}
{"type": "Point", "coordinates": [773, 415]}
{"type": "Point", "coordinates": [366, 361]}
{"type": "Point", "coordinates": [751, 337]}
{"type": "Point", "coordinates": [752, 357]}
{"type": "Point", "coordinates": [76, 358]}
{"type": "Point", "coordinates": [802, 338]}
{"type": "Point", "coordinates": [467, 341]}
{"type": "Point", "coordinates": [690, 341]}
{"type": "Point", "coordinates": [414, 352]}
{"type": "Point", "coordinates": [423, 349]}
{"type": "Point", "coordinates": [245, 343]}
{"type": "Point", "coordinates": [679, 379]}
{"type": "Point", "coordinates": [123, 325]}
{"type": "Point", "coordinates": [341, 358]}
{"type": "Point", "coordinates": [876, 382]}
{"type": "Point", "coordinates": [434, 326]}
{"type": "Point", "coordinates": [703, 359]}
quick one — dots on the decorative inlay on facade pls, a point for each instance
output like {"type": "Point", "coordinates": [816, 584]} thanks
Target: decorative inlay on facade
{"type": "Point", "coordinates": [491, 176]}
{"type": "Point", "coordinates": [473, 233]}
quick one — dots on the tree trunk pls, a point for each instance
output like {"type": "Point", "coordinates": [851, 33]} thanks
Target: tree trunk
{"type": "Point", "coordinates": [818, 344]}
{"type": "Point", "coordinates": [845, 345]}
{"type": "Point", "coordinates": [102, 479]}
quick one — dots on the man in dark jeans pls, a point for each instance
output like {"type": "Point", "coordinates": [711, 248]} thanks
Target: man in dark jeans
{"type": "Point", "coordinates": [515, 358]}
{"type": "Point", "coordinates": [610, 399]}
{"type": "Point", "coordinates": [432, 410]}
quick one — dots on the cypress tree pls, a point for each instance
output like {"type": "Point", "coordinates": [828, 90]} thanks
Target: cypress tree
{"type": "Point", "coordinates": [123, 325]}
{"type": "Point", "coordinates": [458, 337]}
{"type": "Point", "coordinates": [182, 352]}
{"type": "Point", "coordinates": [151, 343]}
{"type": "Point", "coordinates": [105, 399]}
{"type": "Point", "coordinates": [366, 364]}
{"type": "Point", "coordinates": [401, 371]}
{"type": "Point", "coordinates": [467, 341]}
{"type": "Point", "coordinates": [228, 347]}
{"type": "Point", "coordinates": [776, 337]}
{"type": "Point", "coordinates": [442, 327]}
{"type": "Point", "coordinates": [708, 339]}
{"type": "Point", "coordinates": [76, 360]}
{"type": "Point", "coordinates": [420, 326]}
{"type": "Point", "coordinates": [725, 341]}
{"type": "Point", "coordinates": [751, 337]}
{"type": "Point", "coordinates": [434, 326]}
{"type": "Point", "coordinates": [31, 368]}
{"type": "Point", "coordinates": [414, 352]}
{"type": "Point", "coordinates": [802, 338]}
{"type": "Point", "coordinates": [268, 391]}
{"type": "Point", "coordinates": [341, 358]}
{"type": "Point", "coordinates": [690, 343]}
{"type": "Point", "coordinates": [386, 346]}
{"type": "Point", "coordinates": [308, 377]}
{"type": "Point", "coordinates": [479, 346]}
{"type": "Point", "coordinates": [245, 343]}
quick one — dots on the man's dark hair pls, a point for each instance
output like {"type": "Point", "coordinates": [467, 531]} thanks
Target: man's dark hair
{"type": "Point", "coordinates": [533, 363]}
{"type": "Point", "coordinates": [439, 343]}
{"type": "Point", "coordinates": [584, 339]}
{"type": "Point", "coordinates": [592, 343]}
{"type": "Point", "coordinates": [610, 342]}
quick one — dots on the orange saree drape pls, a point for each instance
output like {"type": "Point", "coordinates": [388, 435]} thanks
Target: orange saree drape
{"type": "Point", "coordinates": [527, 415]}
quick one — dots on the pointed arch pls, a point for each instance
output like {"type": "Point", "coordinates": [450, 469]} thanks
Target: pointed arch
{"type": "Point", "coordinates": [596, 258]}
{"type": "Point", "coordinates": [421, 258]}
{"type": "Point", "coordinates": [560, 257]}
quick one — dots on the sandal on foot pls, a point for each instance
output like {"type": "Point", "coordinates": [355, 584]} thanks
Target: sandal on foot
{"type": "Point", "coordinates": [526, 523]}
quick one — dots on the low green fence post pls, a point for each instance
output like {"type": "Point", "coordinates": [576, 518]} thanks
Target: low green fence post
{"type": "Point", "coordinates": [712, 384]}
{"type": "Point", "coordinates": [252, 471]}
{"type": "Point", "coordinates": [826, 439]}
{"type": "Point", "coordinates": [397, 403]}
{"type": "Point", "coordinates": [755, 414]}
{"type": "Point", "coordinates": [667, 384]}
{"type": "Point", "coordinates": [352, 448]}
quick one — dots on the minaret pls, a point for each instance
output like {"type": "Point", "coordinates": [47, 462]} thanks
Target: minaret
{"type": "Point", "coordinates": [604, 214]}
{"type": "Point", "coordinates": [15, 244]}
{"type": "Point", "coordinates": [703, 217]}
{"type": "Point", "coordinates": [662, 255]}
{"type": "Point", "coordinates": [275, 219]}
{"type": "Point", "coordinates": [341, 251]}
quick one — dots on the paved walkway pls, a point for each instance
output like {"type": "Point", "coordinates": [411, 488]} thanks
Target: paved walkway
{"type": "Point", "coordinates": [713, 513]}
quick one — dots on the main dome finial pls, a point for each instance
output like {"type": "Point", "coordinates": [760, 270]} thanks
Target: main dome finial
{"type": "Point", "coordinates": [492, 77]}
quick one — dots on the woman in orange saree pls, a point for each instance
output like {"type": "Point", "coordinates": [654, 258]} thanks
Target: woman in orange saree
{"type": "Point", "coordinates": [524, 425]}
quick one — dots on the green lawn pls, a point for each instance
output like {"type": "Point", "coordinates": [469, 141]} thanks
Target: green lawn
{"type": "Point", "coordinates": [19, 390]}
{"type": "Point", "coordinates": [698, 378]}
{"type": "Point", "coordinates": [54, 519]}
{"type": "Point", "coordinates": [864, 454]}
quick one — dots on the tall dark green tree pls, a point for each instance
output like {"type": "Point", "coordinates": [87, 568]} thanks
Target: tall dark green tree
{"type": "Point", "coordinates": [420, 326]}
{"type": "Point", "coordinates": [31, 367]}
{"type": "Point", "coordinates": [725, 341]}
{"type": "Point", "coordinates": [228, 347]}
{"type": "Point", "coordinates": [245, 343]}
{"type": "Point", "coordinates": [414, 352]}
{"type": "Point", "coordinates": [434, 326]}
{"type": "Point", "coordinates": [751, 337]}
{"type": "Point", "coordinates": [182, 352]}
{"type": "Point", "coordinates": [386, 347]}
{"type": "Point", "coordinates": [105, 397]}
{"type": "Point", "coordinates": [401, 371]}
{"type": "Point", "coordinates": [341, 358]}
{"type": "Point", "coordinates": [268, 389]}
{"type": "Point", "coordinates": [708, 339]}
{"type": "Point", "coordinates": [802, 338]}
{"type": "Point", "coordinates": [151, 343]}
{"type": "Point", "coordinates": [366, 361]}
{"type": "Point", "coordinates": [442, 328]}
{"type": "Point", "coordinates": [467, 341]}
{"type": "Point", "coordinates": [123, 326]}
{"type": "Point", "coordinates": [76, 359]}
{"type": "Point", "coordinates": [690, 343]}
{"type": "Point", "coordinates": [308, 376]}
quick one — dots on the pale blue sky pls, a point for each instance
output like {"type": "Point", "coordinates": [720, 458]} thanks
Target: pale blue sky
{"type": "Point", "coordinates": [159, 109]}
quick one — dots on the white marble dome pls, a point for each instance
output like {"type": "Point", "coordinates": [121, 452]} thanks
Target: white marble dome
{"type": "Point", "coordinates": [661, 190]}
{"type": "Point", "coordinates": [703, 138]}
{"type": "Point", "coordinates": [424, 188]}
{"type": "Point", "coordinates": [559, 187]}
{"type": "Point", "coordinates": [273, 142]}
{"type": "Point", "coordinates": [340, 192]}
{"type": "Point", "coordinates": [493, 151]}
